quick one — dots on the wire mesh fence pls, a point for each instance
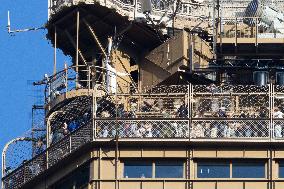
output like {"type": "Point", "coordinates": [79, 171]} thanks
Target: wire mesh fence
{"type": "Point", "coordinates": [194, 113]}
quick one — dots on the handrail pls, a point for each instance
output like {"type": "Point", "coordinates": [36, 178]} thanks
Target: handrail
{"type": "Point", "coordinates": [197, 124]}
{"type": "Point", "coordinates": [61, 81]}
{"type": "Point", "coordinates": [175, 129]}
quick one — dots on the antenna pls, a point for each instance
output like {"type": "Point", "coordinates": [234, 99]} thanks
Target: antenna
{"type": "Point", "coordinates": [20, 30]}
{"type": "Point", "coordinates": [9, 23]}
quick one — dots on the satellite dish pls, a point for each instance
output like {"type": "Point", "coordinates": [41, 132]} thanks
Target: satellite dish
{"type": "Point", "coordinates": [146, 6]}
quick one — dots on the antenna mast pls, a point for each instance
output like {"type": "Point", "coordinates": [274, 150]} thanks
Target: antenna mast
{"type": "Point", "coordinates": [20, 30]}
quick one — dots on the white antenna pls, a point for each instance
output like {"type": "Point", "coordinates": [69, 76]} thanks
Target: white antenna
{"type": "Point", "coordinates": [9, 23]}
{"type": "Point", "coordinates": [20, 30]}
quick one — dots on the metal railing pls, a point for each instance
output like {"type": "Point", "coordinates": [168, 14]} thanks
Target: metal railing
{"type": "Point", "coordinates": [66, 80]}
{"type": "Point", "coordinates": [247, 28]}
{"type": "Point", "coordinates": [88, 76]}
{"type": "Point", "coordinates": [191, 113]}
{"type": "Point", "coordinates": [187, 9]}
{"type": "Point", "coordinates": [30, 169]}
{"type": "Point", "coordinates": [142, 129]}
{"type": "Point", "coordinates": [128, 7]}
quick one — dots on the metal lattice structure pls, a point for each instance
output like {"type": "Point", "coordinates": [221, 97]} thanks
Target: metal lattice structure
{"type": "Point", "coordinates": [101, 117]}
{"type": "Point", "coordinates": [186, 10]}
{"type": "Point", "coordinates": [249, 117]}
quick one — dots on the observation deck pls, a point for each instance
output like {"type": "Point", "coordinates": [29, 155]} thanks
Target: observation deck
{"type": "Point", "coordinates": [235, 31]}
{"type": "Point", "coordinates": [188, 114]}
{"type": "Point", "coordinates": [81, 112]}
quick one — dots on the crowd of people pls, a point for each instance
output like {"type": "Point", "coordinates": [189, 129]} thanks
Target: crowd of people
{"type": "Point", "coordinates": [223, 123]}
{"type": "Point", "coordinates": [57, 133]}
{"type": "Point", "coordinates": [134, 109]}
{"type": "Point", "coordinates": [229, 129]}
{"type": "Point", "coordinates": [254, 123]}
{"type": "Point", "coordinates": [142, 129]}
{"type": "Point", "coordinates": [126, 128]}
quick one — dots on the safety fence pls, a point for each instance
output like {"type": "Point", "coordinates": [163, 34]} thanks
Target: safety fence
{"type": "Point", "coordinates": [252, 28]}
{"type": "Point", "coordinates": [49, 157]}
{"type": "Point", "coordinates": [188, 113]}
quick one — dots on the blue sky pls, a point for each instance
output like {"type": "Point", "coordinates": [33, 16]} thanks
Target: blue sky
{"type": "Point", "coordinates": [24, 57]}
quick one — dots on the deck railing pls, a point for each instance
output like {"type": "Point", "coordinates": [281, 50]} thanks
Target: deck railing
{"type": "Point", "coordinates": [185, 113]}
{"type": "Point", "coordinates": [248, 30]}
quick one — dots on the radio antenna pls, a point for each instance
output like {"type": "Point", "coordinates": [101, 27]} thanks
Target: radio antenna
{"type": "Point", "coordinates": [20, 30]}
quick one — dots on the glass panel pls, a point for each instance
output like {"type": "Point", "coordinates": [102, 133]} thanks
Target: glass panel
{"type": "Point", "coordinates": [169, 169]}
{"type": "Point", "coordinates": [137, 169]}
{"type": "Point", "coordinates": [213, 170]}
{"type": "Point", "coordinates": [248, 169]}
{"type": "Point", "coordinates": [281, 169]}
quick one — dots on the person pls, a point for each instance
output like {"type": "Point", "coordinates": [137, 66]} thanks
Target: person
{"type": "Point", "coordinates": [120, 110]}
{"type": "Point", "coordinates": [65, 130]}
{"type": "Point", "coordinates": [277, 127]}
{"type": "Point", "coordinates": [105, 114]}
{"type": "Point", "coordinates": [207, 130]}
{"type": "Point", "coordinates": [105, 105]}
{"type": "Point", "coordinates": [86, 118]}
{"type": "Point", "coordinates": [222, 126]}
{"type": "Point", "coordinates": [200, 114]}
{"type": "Point", "coordinates": [105, 133]}
{"type": "Point", "coordinates": [56, 136]}
{"type": "Point", "coordinates": [126, 130]}
{"type": "Point", "coordinates": [146, 107]}
{"type": "Point", "coordinates": [214, 132]}
{"type": "Point", "coordinates": [263, 112]}
{"type": "Point", "coordinates": [148, 130]}
{"type": "Point", "coordinates": [34, 168]}
{"type": "Point", "coordinates": [183, 111]}
{"type": "Point", "coordinates": [198, 131]}
{"type": "Point", "coordinates": [39, 147]}
{"type": "Point", "coordinates": [51, 138]}
{"type": "Point", "coordinates": [141, 131]}
{"type": "Point", "coordinates": [212, 88]}
{"type": "Point", "coordinates": [231, 132]}
{"type": "Point", "coordinates": [222, 112]}
{"type": "Point", "coordinates": [8, 170]}
{"type": "Point", "coordinates": [72, 126]}
{"type": "Point", "coordinates": [242, 114]}
{"type": "Point", "coordinates": [277, 113]}
{"type": "Point", "coordinates": [165, 113]}
{"type": "Point", "coordinates": [160, 104]}
{"type": "Point", "coordinates": [133, 129]}
{"type": "Point", "coordinates": [247, 130]}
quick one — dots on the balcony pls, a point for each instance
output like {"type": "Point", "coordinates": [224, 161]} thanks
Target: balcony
{"type": "Point", "coordinates": [245, 30]}
{"type": "Point", "coordinates": [184, 113]}
{"type": "Point", "coordinates": [188, 14]}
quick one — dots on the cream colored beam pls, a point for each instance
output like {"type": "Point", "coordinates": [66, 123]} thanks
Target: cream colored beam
{"type": "Point", "coordinates": [91, 30]}
{"type": "Point", "coordinates": [74, 45]}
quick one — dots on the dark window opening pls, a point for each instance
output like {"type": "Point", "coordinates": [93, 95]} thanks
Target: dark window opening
{"type": "Point", "coordinates": [281, 170]}
{"type": "Point", "coordinates": [248, 169]}
{"type": "Point", "coordinates": [137, 169]}
{"type": "Point", "coordinates": [213, 170]}
{"type": "Point", "coordinates": [169, 169]}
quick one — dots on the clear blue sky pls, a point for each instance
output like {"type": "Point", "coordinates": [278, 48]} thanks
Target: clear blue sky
{"type": "Point", "coordinates": [26, 56]}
